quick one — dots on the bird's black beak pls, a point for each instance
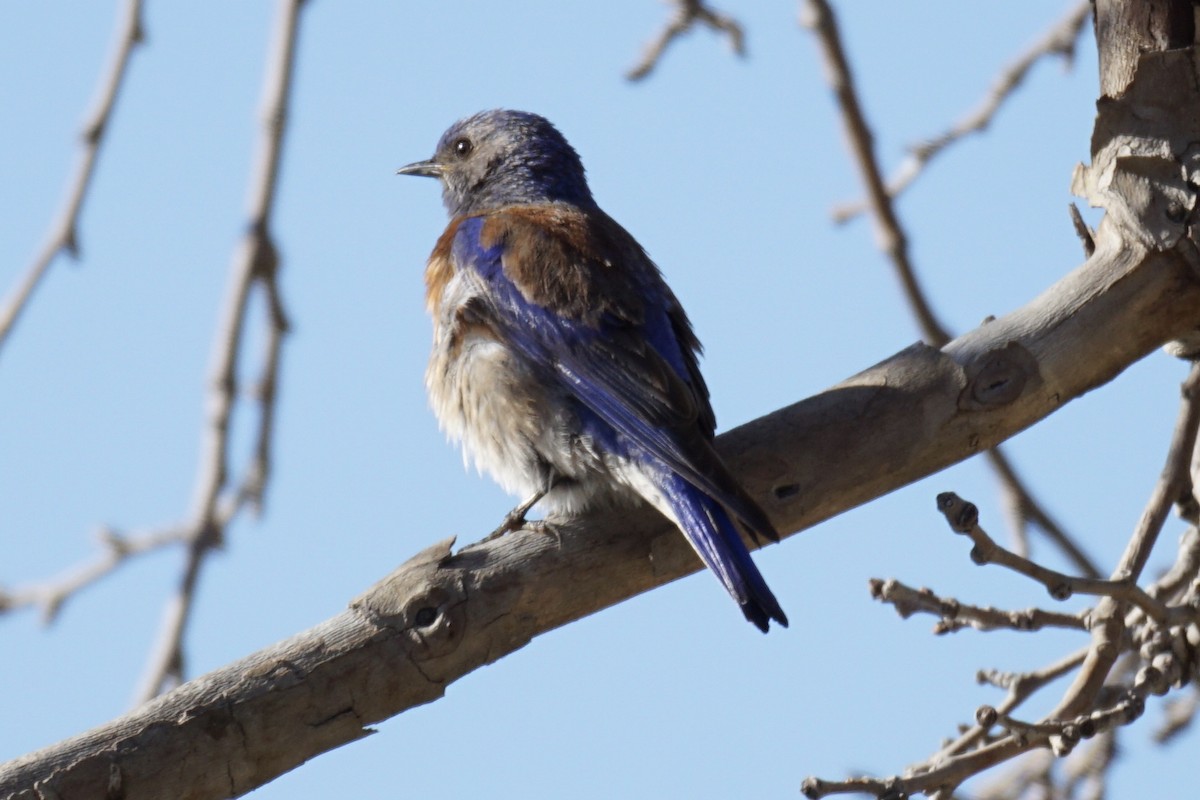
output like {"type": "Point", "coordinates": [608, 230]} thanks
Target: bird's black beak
{"type": "Point", "coordinates": [428, 169]}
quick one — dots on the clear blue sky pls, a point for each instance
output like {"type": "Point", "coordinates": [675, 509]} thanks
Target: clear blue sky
{"type": "Point", "coordinates": [726, 170]}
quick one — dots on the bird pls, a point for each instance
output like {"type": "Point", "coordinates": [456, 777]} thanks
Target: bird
{"type": "Point", "coordinates": [562, 363]}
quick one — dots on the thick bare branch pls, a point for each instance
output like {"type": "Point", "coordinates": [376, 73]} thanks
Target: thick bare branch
{"type": "Point", "coordinates": [445, 614]}
{"type": "Point", "coordinates": [894, 242]}
{"type": "Point", "coordinates": [64, 230]}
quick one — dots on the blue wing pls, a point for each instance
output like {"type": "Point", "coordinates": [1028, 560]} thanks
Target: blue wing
{"type": "Point", "coordinates": [616, 336]}
{"type": "Point", "coordinates": [574, 291]}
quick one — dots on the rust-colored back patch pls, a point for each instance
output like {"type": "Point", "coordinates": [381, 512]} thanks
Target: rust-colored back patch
{"type": "Point", "coordinates": [564, 259]}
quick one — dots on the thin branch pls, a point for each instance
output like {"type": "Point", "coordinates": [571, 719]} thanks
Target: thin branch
{"type": "Point", "coordinates": [1180, 713]}
{"type": "Point", "coordinates": [818, 16]}
{"type": "Point", "coordinates": [255, 267]}
{"type": "Point", "coordinates": [687, 14]}
{"type": "Point", "coordinates": [891, 236]}
{"type": "Point", "coordinates": [1108, 621]}
{"type": "Point", "coordinates": [1028, 510]}
{"type": "Point", "coordinates": [1153, 635]}
{"type": "Point", "coordinates": [963, 518]}
{"type": "Point", "coordinates": [1060, 40]}
{"type": "Point", "coordinates": [1020, 686]}
{"type": "Point", "coordinates": [942, 778]}
{"type": "Point", "coordinates": [64, 230]}
{"type": "Point", "coordinates": [52, 594]}
{"type": "Point", "coordinates": [1087, 236]}
{"type": "Point", "coordinates": [446, 613]}
{"type": "Point", "coordinates": [953, 616]}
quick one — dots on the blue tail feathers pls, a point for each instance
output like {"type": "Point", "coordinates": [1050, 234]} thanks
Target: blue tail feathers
{"type": "Point", "coordinates": [711, 532]}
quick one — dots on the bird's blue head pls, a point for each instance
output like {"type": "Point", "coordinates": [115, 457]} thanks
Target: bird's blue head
{"type": "Point", "coordinates": [501, 157]}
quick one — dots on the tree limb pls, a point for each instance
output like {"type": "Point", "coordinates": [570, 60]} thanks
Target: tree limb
{"type": "Point", "coordinates": [1059, 40]}
{"type": "Point", "coordinates": [218, 498]}
{"type": "Point", "coordinates": [444, 614]}
{"type": "Point", "coordinates": [893, 241]}
{"type": "Point", "coordinates": [687, 14]}
{"type": "Point", "coordinates": [64, 234]}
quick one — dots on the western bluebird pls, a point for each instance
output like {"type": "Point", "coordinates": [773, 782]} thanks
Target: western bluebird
{"type": "Point", "coordinates": [561, 360]}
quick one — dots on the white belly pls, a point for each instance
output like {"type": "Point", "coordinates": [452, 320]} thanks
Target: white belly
{"type": "Point", "coordinates": [512, 418]}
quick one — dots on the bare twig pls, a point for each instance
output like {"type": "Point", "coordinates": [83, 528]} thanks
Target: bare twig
{"type": "Point", "coordinates": [1028, 510]}
{"type": "Point", "coordinates": [1180, 713]}
{"type": "Point", "coordinates": [1087, 236]}
{"type": "Point", "coordinates": [963, 518]}
{"type": "Point", "coordinates": [218, 500]}
{"type": "Point", "coordinates": [953, 616]}
{"type": "Point", "coordinates": [255, 265]}
{"type": "Point", "coordinates": [51, 595]}
{"type": "Point", "coordinates": [1108, 621]}
{"type": "Point", "coordinates": [1059, 40]}
{"type": "Point", "coordinates": [1020, 687]}
{"type": "Point", "coordinates": [1149, 627]}
{"type": "Point", "coordinates": [687, 14]}
{"type": "Point", "coordinates": [64, 230]}
{"type": "Point", "coordinates": [819, 17]}
{"type": "Point", "coordinates": [891, 236]}
{"type": "Point", "coordinates": [1153, 636]}
{"type": "Point", "coordinates": [942, 777]}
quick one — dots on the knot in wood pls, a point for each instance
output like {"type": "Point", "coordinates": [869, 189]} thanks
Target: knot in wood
{"type": "Point", "coordinates": [997, 378]}
{"type": "Point", "coordinates": [424, 601]}
{"type": "Point", "coordinates": [431, 622]}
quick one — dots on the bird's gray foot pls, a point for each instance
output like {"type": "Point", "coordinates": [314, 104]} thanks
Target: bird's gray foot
{"type": "Point", "coordinates": [515, 519]}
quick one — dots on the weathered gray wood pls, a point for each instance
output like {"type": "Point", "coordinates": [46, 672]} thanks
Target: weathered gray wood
{"type": "Point", "coordinates": [1125, 30]}
{"type": "Point", "coordinates": [446, 613]}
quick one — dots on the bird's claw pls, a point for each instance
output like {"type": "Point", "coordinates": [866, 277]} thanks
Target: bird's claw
{"type": "Point", "coordinates": [513, 521]}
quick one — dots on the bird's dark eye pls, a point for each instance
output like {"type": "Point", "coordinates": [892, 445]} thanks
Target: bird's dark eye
{"type": "Point", "coordinates": [462, 147]}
